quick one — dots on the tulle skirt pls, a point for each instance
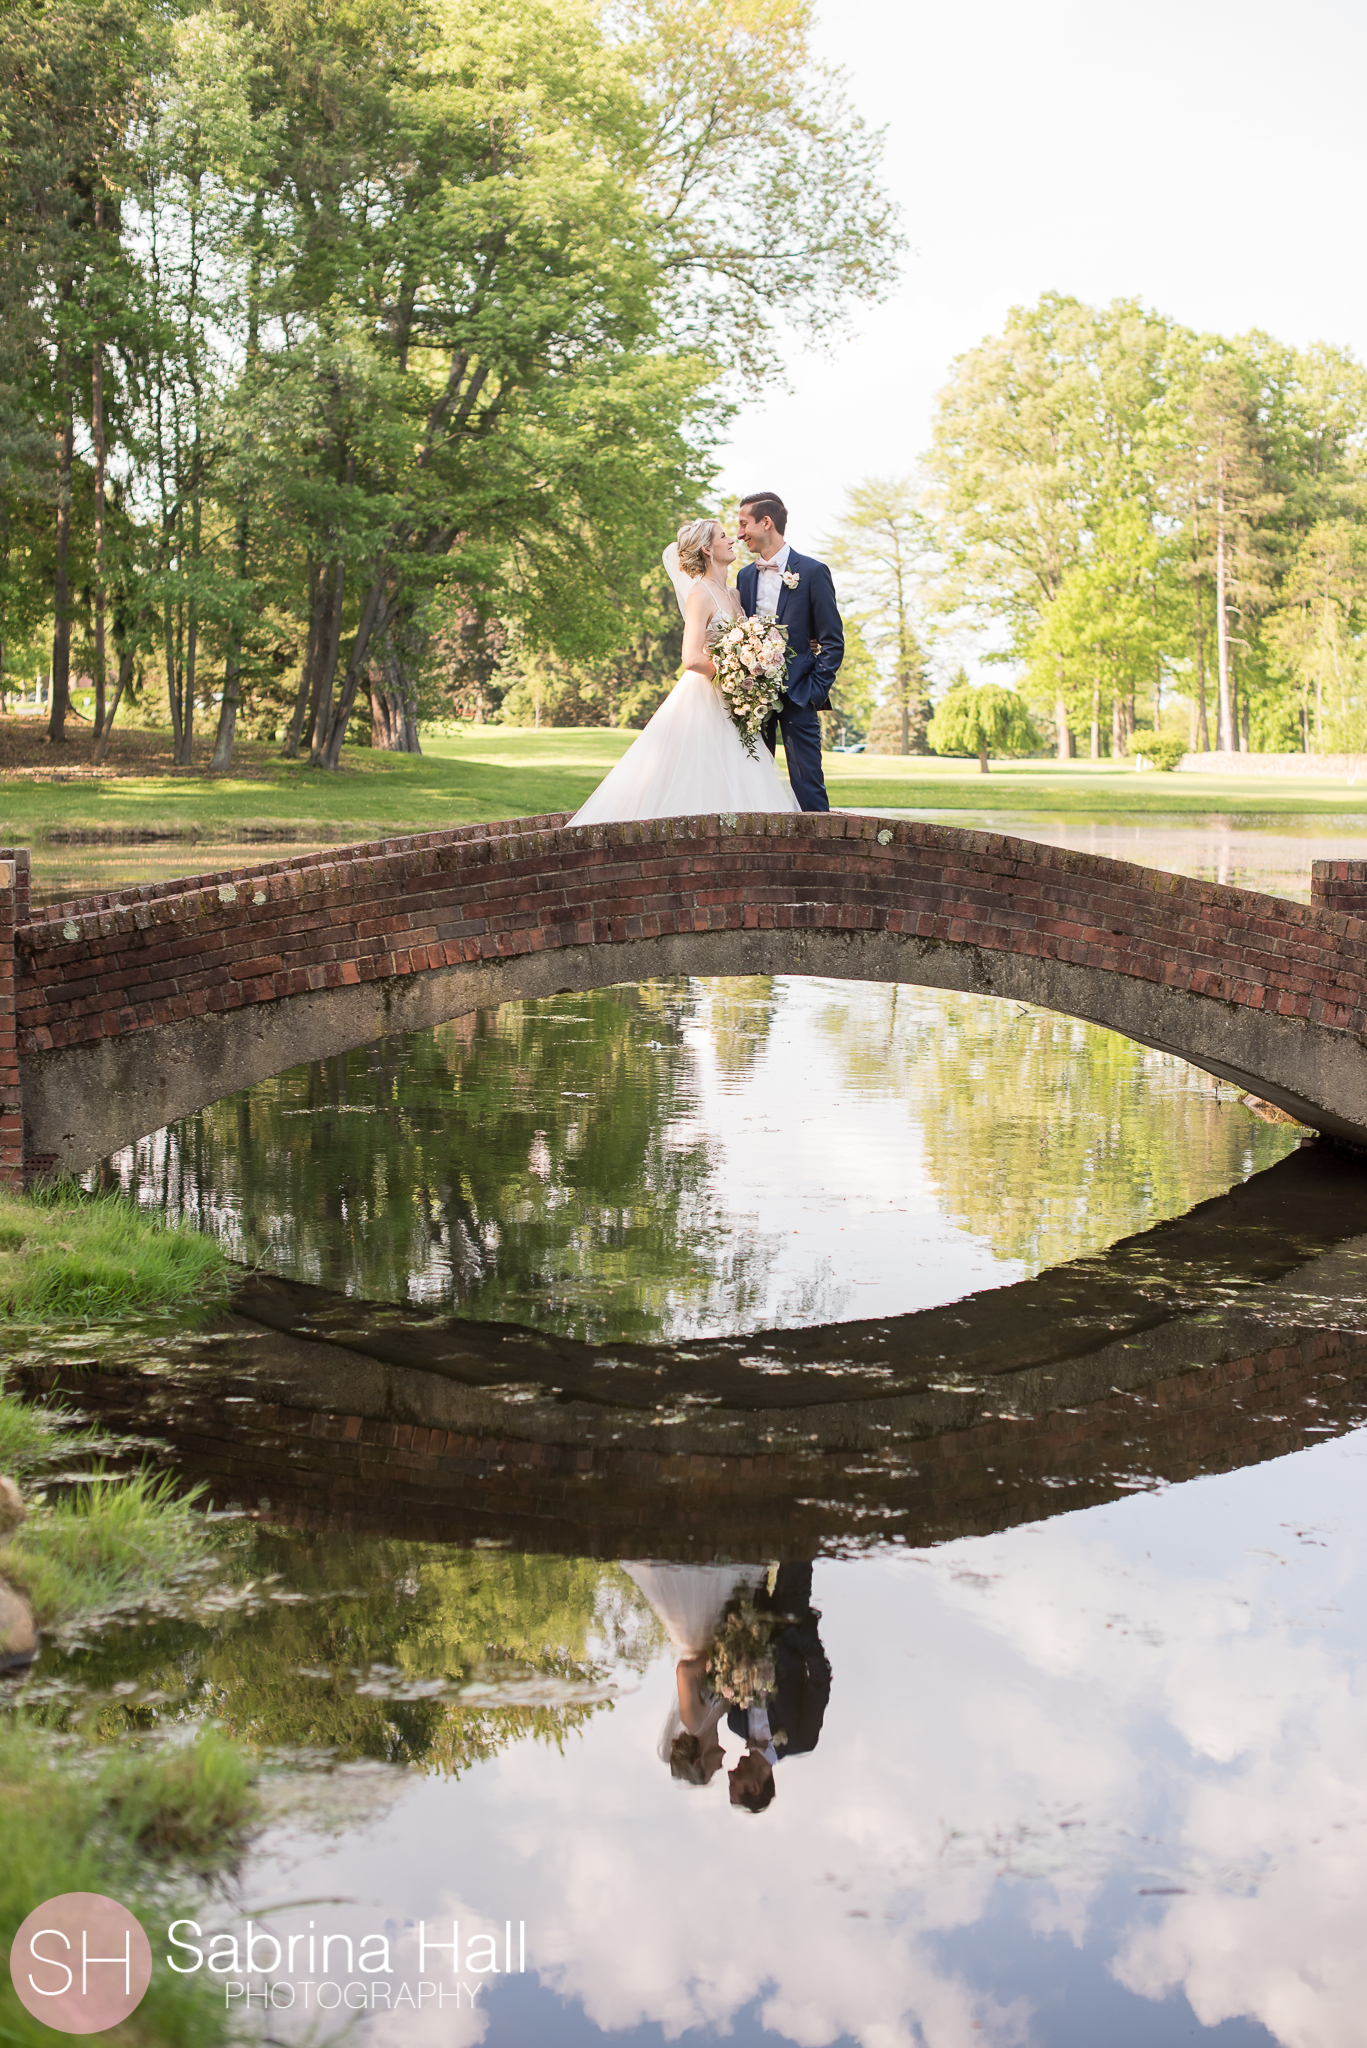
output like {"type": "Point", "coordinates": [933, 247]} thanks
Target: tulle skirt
{"type": "Point", "coordinates": [689, 759]}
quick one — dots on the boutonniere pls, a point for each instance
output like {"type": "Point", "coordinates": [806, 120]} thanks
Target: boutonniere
{"type": "Point", "coordinates": [791, 578]}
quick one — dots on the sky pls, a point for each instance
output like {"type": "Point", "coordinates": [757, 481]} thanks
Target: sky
{"type": "Point", "coordinates": [1205, 157]}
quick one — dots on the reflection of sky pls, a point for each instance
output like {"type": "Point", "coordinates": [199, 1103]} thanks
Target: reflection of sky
{"type": "Point", "coordinates": [820, 1148]}
{"type": "Point", "coordinates": [1080, 1781]}
{"type": "Point", "coordinates": [830, 1167]}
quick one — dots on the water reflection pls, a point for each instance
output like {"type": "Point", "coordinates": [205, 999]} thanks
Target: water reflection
{"type": "Point", "coordinates": [985, 1665]}
{"type": "Point", "coordinates": [638, 1163]}
{"type": "Point", "coordinates": [749, 1653]}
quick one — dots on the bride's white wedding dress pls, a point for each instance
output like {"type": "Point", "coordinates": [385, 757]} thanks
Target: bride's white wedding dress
{"type": "Point", "coordinates": [690, 1600]}
{"type": "Point", "coordinates": [689, 759]}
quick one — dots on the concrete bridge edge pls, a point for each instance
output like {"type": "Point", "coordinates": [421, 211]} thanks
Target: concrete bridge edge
{"type": "Point", "coordinates": [83, 1103]}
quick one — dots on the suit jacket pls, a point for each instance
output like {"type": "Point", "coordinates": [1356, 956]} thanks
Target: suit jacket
{"type": "Point", "coordinates": [802, 1676]}
{"type": "Point", "coordinates": [810, 613]}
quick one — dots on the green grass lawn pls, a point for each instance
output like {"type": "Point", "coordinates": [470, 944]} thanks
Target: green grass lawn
{"type": "Point", "coordinates": [502, 772]}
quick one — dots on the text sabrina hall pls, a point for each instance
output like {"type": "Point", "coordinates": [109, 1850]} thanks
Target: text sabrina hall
{"type": "Point", "coordinates": [325, 1972]}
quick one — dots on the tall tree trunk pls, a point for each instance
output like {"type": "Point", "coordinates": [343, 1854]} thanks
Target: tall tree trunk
{"type": "Point", "coordinates": [126, 661]}
{"type": "Point", "coordinates": [1096, 717]}
{"type": "Point", "coordinates": [232, 668]}
{"type": "Point", "coordinates": [172, 678]}
{"type": "Point", "coordinates": [1202, 729]}
{"type": "Point", "coordinates": [1062, 736]}
{"type": "Point", "coordinates": [982, 761]}
{"type": "Point", "coordinates": [301, 695]}
{"type": "Point", "coordinates": [1226, 722]}
{"type": "Point", "coordinates": [394, 700]}
{"type": "Point", "coordinates": [61, 588]}
{"type": "Point", "coordinates": [97, 436]}
{"type": "Point", "coordinates": [372, 620]}
{"type": "Point", "coordinates": [187, 759]}
{"type": "Point", "coordinates": [331, 645]}
{"type": "Point", "coordinates": [1117, 737]}
{"type": "Point", "coordinates": [222, 757]}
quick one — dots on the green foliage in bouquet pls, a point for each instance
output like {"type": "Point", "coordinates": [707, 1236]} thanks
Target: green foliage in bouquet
{"type": "Point", "coordinates": [741, 1660]}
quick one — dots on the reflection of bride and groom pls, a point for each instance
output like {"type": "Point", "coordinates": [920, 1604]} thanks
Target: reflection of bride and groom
{"type": "Point", "coordinates": [749, 1652]}
{"type": "Point", "coordinates": [691, 759]}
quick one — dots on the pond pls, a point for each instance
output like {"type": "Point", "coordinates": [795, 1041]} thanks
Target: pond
{"type": "Point", "coordinates": [1034, 1469]}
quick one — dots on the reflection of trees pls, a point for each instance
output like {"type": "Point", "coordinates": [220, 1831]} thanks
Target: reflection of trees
{"type": "Point", "coordinates": [535, 1163]}
{"type": "Point", "coordinates": [546, 1163]}
{"type": "Point", "coordinates": [736, 1013]}
{"type": "Point", "coordinates": [1048, 1137]}
{"type": "Point", "coordinates": [408, 1622]}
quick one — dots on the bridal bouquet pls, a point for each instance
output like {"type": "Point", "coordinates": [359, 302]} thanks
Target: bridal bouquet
{"type": "Point", "coordinates": [741, 1659]}
{"type": "Point", "coordinates": [750, 654]}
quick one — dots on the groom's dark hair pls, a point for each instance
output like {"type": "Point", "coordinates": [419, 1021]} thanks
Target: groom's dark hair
{"type": "Point", "coordinates": [767, 505]}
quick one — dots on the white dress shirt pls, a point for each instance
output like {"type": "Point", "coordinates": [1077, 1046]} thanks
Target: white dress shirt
{"type": "Point", "coordinates": [757, 1718]}
{"type": "Point", "coordinates": [769, 589]}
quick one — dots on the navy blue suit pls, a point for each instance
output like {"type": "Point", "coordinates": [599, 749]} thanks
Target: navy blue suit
{"type": "Point", "coordinates": [802, 1676]}
{"type": "Point", "coordinates": [816, 648]}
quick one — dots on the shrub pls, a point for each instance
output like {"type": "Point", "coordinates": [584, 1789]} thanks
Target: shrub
{"type": "Point", "coordinates": [1162, 753]}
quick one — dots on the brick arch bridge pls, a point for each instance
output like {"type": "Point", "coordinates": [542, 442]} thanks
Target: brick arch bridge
{"type": "Point", "coordinates": [121, 1012]}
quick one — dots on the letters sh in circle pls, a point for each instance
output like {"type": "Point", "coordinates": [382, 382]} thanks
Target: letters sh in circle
{"type": "Point", "coordinates": [81, 1963]}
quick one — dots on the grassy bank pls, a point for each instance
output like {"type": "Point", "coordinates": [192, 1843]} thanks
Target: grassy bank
{"type": "Point", "coordinates": [116, 1541]}
{"type": "Point", "coordinates": [499, 772]}
{"type": "Point", "coordinates": [113, 1823]}
{"type": "Point", "coordinates": [67, 1255]}
{"type": "Point", "coordinates": [105, 1546]}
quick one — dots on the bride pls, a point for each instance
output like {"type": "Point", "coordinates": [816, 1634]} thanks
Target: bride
{"type": "Point", "coordinates": [690, 1600]}
{"type": "Point", "coordinates": [691, 758]}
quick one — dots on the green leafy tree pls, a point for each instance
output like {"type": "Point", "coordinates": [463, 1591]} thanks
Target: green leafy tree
{"type": "Point", "coordinates": [1319, 630]}
{"type": "Point", "coordinates": [853, 710]}
{"type": "Point", "coordinates": [981, 719]}
{"type": "Point", "coordinates": [1039, 429]}
{"type": "Point", "coordinates": [883, 547]}
{"type": "Point", "coordinates": [762, 183]}
{"type": "Point", "coordinates": [1107, 631]}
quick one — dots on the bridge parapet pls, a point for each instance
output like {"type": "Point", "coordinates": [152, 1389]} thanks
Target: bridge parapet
{"type": "Point", "coordinates": [135, 1009]}
{"type": "Point", "coordinates": [1339, 885]}
{"type": "Point", "coordinates": [370, 849]}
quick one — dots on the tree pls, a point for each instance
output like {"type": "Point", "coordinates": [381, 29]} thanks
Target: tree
{"type": "Point", "coordinates": [1037, 431]}
{"type": "Point", "coordinates": [70, 89]}
{"type": "Point", "coordinates": [1121, 503]}
{"type": "Point", "coordinates": [1223, 488]}
{"type": "Point", "coordinates": [1319, 628]}
{"type": "Point", "coordinates": [1106, 632]}
{"type": "Point", "coordinates": [884, 546]}
{"type": "Point", "coordinates": [853, 713]}
{"type": "Point", "coordinates": [398, 332]}
{"type": "Point", "coordinates": [981, 719]}
{"type": "Point", "coordinates": [762, 184]}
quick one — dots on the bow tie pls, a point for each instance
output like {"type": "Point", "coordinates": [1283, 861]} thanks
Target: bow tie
{"type": "Point", "coordinates": [765, 567]}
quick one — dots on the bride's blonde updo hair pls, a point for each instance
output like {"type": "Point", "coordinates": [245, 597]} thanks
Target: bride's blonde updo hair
{"type": "Point", "coordinates": [695, 544]}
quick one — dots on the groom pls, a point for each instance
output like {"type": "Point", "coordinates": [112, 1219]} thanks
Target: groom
{"type": "Point", "coordinates": [788, 1721]}
{"type": "Point", "coordinates": [799, 592]}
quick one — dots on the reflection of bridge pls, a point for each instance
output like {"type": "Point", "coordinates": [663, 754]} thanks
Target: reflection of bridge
{"type": "Point", "coordinates": [133, 1009]}
{"type": "Point", "coordinates": [1231, 1335]}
